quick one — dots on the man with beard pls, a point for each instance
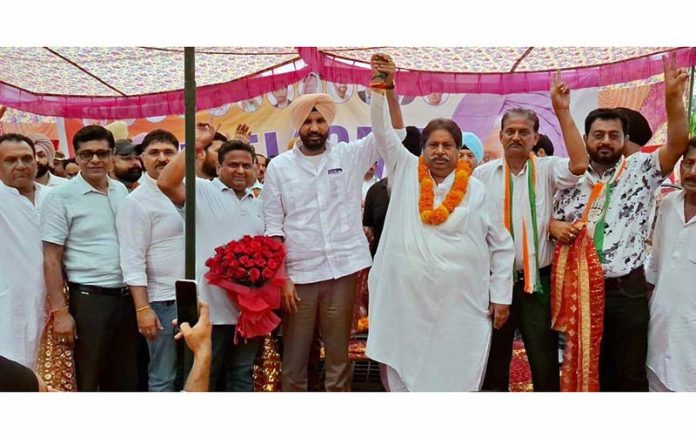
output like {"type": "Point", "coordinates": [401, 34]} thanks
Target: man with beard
{"type": "Point", "coordinates": [613, 201]}
{"type": "Point", "coordinates": [207, 158]}
{"type": "Point", "coordinates": [151, 237]}
{"type": "Point", "coordinates": [312, 197]}
{"type": "Point", "coordinates": [22, 288]}
{"type": "Point", "coordinates": [45, 154]}
{"type": "Point", "coordinates": [522, 187]}
{"type": "Point", "coordinates": [226, 210]}
{"type": "Point", "coordinates": [127, 166]}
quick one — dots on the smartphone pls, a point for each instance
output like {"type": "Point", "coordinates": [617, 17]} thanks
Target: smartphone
{"type": "Point", "coordinates": [186, 301]}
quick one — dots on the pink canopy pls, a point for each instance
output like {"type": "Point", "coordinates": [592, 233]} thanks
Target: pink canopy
{"type": "Point", "coordinates": [136, 82]}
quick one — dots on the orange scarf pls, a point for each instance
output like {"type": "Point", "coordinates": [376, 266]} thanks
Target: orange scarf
{"type": "Point", "coordinates": [577, 309]}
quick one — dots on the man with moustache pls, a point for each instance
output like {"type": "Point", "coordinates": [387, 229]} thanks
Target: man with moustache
{"type": "Point", "coordinates": [127, 166]}
{"type": "Point", "coordinates": [312, 197]}
{"type": "Point", "coordinates": [22, 288]}
{"type": "Point", "coordinates": [78, 223]}
{"type": "Point", "coordinates": [151, 236]}
{"type": "Point", "coordinates": [612, 201]}
{"type": "Point", "coordinates": [45, 155]}
{"type": "Point", "coordinates": [671, 268]}
{"type": "Point", "coordinates": [522, 186]}
{"type": "Point", "coordinates": [226, 210]}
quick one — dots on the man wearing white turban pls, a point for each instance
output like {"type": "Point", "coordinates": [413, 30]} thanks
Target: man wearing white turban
{"type": "Point", "coordinates": [312, 196]}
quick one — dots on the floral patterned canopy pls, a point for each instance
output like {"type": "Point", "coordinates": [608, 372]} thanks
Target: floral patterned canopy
{"type": "Point", "coordinates": [133, 82]}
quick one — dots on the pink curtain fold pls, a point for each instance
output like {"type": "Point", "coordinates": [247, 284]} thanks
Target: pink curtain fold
{"type": "Point", "coordinates": [410, 83]}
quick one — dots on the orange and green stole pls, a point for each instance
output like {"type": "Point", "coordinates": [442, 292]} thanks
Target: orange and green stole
{"type": "Point", "coordinates": [577, 297]}
{"type": "Point", "coordinates": [532, 281]}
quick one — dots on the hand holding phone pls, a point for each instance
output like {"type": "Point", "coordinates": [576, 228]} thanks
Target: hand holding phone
{"type": "Point", "coordinates": [186, 302]}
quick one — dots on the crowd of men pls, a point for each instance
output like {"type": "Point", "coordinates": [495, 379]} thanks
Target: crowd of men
{"type": "Point", "coordinates": [461, 250]}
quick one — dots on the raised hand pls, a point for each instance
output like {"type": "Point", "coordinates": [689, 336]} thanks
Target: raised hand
{"type": "Point", "coordinates": [383, 69]}
{"type": "Point", "coordinates": [560, 93]}
{"type": "Point", "coordinates": [242, 133]}
{"type": "Point", "coordinates": [204, 134]}
{"type": "Point", "coordinates": [675, 78]}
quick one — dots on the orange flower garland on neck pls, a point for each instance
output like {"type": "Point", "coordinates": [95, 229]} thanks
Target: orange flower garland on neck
{"type": "Point", "coordinates": [435, 216]}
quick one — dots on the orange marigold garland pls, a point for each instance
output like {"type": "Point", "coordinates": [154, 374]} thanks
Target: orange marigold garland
{"type": "Point", "coordinates": [435, 216]}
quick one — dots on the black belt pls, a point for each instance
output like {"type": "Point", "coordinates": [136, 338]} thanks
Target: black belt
{"type": "Point", "coordinates": [98, 290]}
{"type": "Point", "coordinates": [635, 278]}
{"type": "Point", "coordinates": [546, 270]}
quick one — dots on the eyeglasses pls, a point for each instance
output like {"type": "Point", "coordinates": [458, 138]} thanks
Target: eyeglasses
{"type": "Point", "coordinates": [88, 155]}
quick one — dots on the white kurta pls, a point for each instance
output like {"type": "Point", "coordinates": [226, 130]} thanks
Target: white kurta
{"type": "Point", "coordinates": [430, 286]}
{"type": "Point", "coordinates": [672, 268]}
{"type": "Point", "coordinates": [22, 287]}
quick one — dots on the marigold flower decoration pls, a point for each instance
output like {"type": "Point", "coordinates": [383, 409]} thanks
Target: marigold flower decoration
{"type": "Point", "coordinates": [435, 216]}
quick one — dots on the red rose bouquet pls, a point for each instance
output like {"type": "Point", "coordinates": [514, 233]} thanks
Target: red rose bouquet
{"type": "Point", "coordinates": [252, 271]}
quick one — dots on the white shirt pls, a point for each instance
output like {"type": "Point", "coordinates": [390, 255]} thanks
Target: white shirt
{"type": "Point", "coordinates": [552, 173]}
{"type": "Point", "coordinates": [83, 220]}
{"type": "Point", "coordinates": [257, 185]}
{"type": "Point", "coordinates": [54, 181]}
{"type": "Point", "coordinates": [220, 218]}
{"type": "Point", "coordinates": [628, 216]}
{"type": "Point", "coordinates": [430, 286]}
{"type": "Point", "coordinates": [672, 268]}
{"type": "Point", "coordinates": [22, 286]}
{"type": "Point", "coordinates": [366, 186]}
{"type": "Point", "coordinates": [316, 208]}
{"type": "Point", "coordinates": [151, 235]}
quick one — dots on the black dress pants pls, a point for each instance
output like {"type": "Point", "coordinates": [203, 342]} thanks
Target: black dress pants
{"type": "Point", "coordinates": [106, 350]}
{"type": "Point", "coordinates": [625, 337]}
{"type": "Point", "coordinates": [531, 314]}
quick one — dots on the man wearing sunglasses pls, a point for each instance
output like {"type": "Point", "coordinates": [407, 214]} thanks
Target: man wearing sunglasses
{"type": "Point", "coordinates": [79, 235]}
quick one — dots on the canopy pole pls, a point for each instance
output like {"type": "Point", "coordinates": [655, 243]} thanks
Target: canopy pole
{"type": "Point", "coordinates": [692, 126]}
{"type": "Point", "coordinates": [190, 140]}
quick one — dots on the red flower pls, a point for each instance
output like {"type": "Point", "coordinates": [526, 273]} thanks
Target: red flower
{"type": "Point", "coordinates": [249, 261]}
{"type": "Point", "coordinates": [246, 261]}
{"type": "Point", "coordinates": [240, 273]}
{"type": "Point", "coordinates": [254, 275]}
{"type": "Point", "coordinates": [267, 274]}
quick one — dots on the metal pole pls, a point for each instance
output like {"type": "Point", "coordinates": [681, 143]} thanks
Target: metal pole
{"type": "Point", "coordinates": [692, 126]}
{"type": "Point", "coordinates": [190, 125]}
